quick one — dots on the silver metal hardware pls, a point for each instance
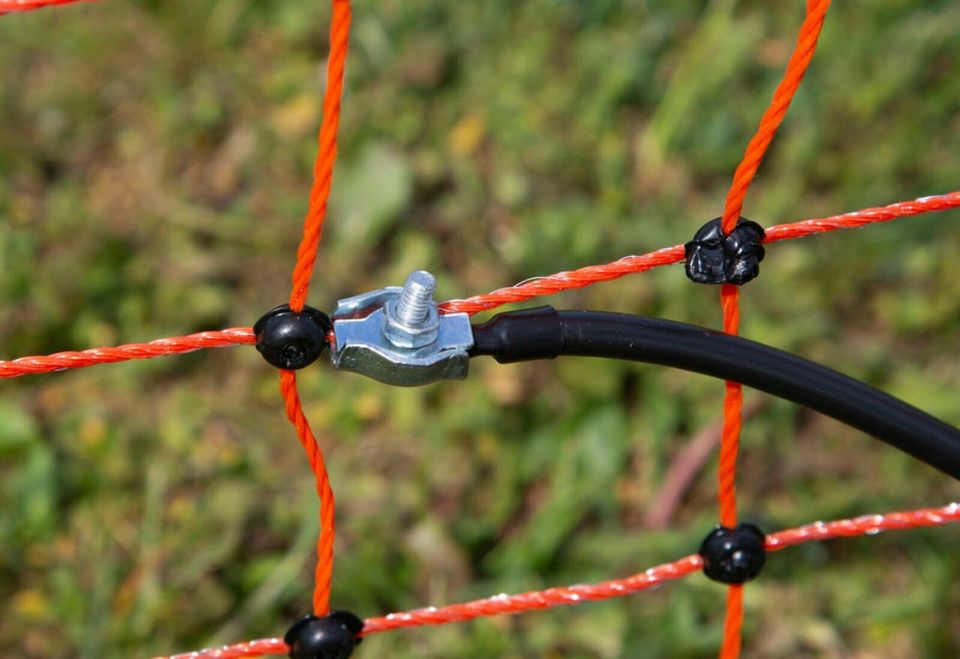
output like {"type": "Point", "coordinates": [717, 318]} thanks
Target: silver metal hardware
{"type": "Point", "coordinates": [412, 320]}
{"type": "Point", "coordinates": [397, 336]}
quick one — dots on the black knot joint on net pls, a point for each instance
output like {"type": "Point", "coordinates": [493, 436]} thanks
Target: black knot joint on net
{"type": "Point", "coordinates": [292, 340]}
{"type": "Point", "coordinates": [333, 636]}
{"type": "Point", "coordinates": [714, 258]}
{"type": "Point", "coordinates": [733, 555]}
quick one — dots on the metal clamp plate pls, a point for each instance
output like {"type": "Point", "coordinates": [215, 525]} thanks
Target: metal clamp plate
{"type": "Point", "coordinates": [362, 345]}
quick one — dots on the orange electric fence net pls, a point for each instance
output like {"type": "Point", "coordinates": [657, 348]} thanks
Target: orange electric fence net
{"type": "Point", "coordinates": [531, 288]}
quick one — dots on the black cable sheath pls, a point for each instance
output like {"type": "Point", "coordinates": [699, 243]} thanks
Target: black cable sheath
{"type": "Point", "coordinates": [544, 333]}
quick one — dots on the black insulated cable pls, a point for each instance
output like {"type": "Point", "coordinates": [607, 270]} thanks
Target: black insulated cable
{"type": "Point", "coordinates": [545, 333]}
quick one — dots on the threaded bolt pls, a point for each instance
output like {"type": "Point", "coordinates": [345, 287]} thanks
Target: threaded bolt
{"type": "Point", "coordinates": [410, 319]}
{"type": "Point", "coordinates": [416, 300]}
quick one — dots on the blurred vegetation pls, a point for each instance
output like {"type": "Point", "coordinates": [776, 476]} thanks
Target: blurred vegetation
{"type": "Point", "coordinates": [155, 159]}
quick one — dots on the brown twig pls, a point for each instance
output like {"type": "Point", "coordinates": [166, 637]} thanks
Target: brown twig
{"type": "Point", "coordinates": [684, 469]}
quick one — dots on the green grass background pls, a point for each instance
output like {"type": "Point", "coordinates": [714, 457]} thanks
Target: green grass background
{"type": "Point", "coordinates": [155, 159]}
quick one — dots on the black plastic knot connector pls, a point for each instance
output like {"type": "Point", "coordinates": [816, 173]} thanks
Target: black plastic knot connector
{"type": "Point", "coordinates": [733, 555]}
{"type": "Point", "coordinates": [713, 258]}
{"type": "Point", "coordinates": [333, 636]}
{"type": "Point", "coordinates": [292, 340]}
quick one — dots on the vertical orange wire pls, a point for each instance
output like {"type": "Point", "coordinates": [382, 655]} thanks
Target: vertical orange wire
{"type": "Point", "coordinates": [777, 110]}
{"type": "Point", "coordinates": [300, 284]}
{"type": "Point", "coordinates": [733, 623]}
{"type": "Point", "coordinates": [324, 570]}
{"type": "Point", "coordinates": [732, 421]}
{"type": "Point", "coordinates": [326, 155]}
{"type": "Point", "coordinates": [730, 294]}
{"type": "Point", "coordinates": [727, 473]}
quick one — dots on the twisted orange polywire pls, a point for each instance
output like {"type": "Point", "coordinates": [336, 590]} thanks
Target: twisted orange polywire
{"type": "Point", "coordinates": [732, 410]}
{"type": "Point", "coordinates": [177, 345]}
{"type": "Point", "coordinates": [547, 285]}
{"type": "Point", "coordinates": [326, 155]}
{"type": "Point", "coordinates": [323, 573]}
{"type": "Point", "coordinates": [628, 265]}
{"type": "Point", "coordinates": [776, 111]}
{"type": "Point", "coordinates": [302, 273]}
{"type": "Point", "coordinates": [564, 596]}
{"type": "Point", "coordinates": [10, 6]}
{"type": "Point", "coordinates": [730, 294]}
{"type": "Point", "coordinates": [727, 473]}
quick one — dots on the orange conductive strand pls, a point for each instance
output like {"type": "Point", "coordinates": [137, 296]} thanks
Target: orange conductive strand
{"type": "Point", "coordinates": [302, 273]}
{"type": "Point", "coordinates": [865, 525]}
{"type": "Point", "coordinates": [628, 265]}
{"type": "Point", "coordinates": [730, 295]}
{"type": "Point", "coordinates": [177, 345]}
{"type": "Point", "coordinates": [727, 472]}
{"type": "Point", "coordinates": [552, 597]}
{"type": "Point", "coordinates": [733, 623]}
{"type": "Point", "coordinates": [533, 288]}
{"type": "Point", "coordinates": [732, 416]}
{"type": "Point", "coordinates": [258, 648]}
{"type": "Point", "coordinates": [776, 111]}
{"type": "Point", "coordinates": [545, 599]}
{"type": "Point", "coordinates": [10, 6]}
{"type": "Point", "coordinates": [733, 401]}
{"type": "Point", "coordinates": [326, 156]}
{"type": "Point", "coordinates": [863, 217]}
{"type": "Point", "coordinates": [324, 570]}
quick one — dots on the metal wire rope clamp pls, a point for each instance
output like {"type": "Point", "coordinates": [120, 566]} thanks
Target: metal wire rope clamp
{"type": "Point", "coordinates": [396, 335]}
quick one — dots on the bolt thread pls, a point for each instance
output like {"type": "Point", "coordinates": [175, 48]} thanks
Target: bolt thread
{"type": "Point", "coordinates": [416, 299]}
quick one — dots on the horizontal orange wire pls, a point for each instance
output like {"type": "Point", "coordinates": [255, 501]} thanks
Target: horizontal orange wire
{"type": "Point", "coordinates": [628, 265]}
{"type": "Point", "coordinates": [544, 599]}
{"type": "Point", "coordinates": [257, 648]}
{"type": "Point", "coordinates": [10, 6]}
{"type": "Point", "coordinates": [552, 597]}
{"type": "Point", "coordinates": [865, 525]}
{"type": "Point", "coordinates": [177, 345]}
{"type": "Point", "coordinates": [532, 288]}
